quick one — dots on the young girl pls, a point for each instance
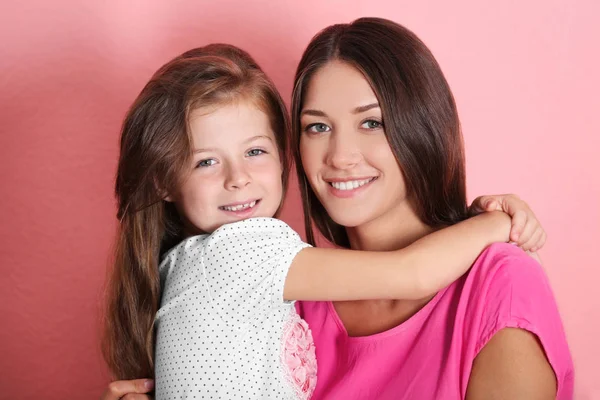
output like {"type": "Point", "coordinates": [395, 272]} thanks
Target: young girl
{"type": "Point", "coordinates": [204, 163]}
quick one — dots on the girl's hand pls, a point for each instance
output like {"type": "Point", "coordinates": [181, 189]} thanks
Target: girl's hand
{"type": "Point", "coordinates": [526, 230]}
{"type": "Point", "coordinates": [129, 390]}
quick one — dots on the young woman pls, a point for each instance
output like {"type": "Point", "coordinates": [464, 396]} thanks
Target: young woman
{"type": "Point", "coordinates": [371, 103]}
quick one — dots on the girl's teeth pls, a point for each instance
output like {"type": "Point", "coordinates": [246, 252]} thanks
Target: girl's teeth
{"type": "Point", "coordinates": [349, 185]}
{"type": "Point", "coordinates": [241, 206]}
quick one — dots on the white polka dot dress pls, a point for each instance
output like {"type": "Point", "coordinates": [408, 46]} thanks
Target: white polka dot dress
{"type": "Point", "coordinates": [223, 330]}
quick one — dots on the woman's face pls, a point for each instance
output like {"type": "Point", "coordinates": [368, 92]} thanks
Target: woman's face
{"type": "Point", "coordinates": [345, 153]}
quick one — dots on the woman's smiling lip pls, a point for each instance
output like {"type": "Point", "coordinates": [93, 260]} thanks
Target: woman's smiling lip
{"type": "Point", "coordinates": [348, 179]}
{"type": "Point", "coordinates": [346, 187]}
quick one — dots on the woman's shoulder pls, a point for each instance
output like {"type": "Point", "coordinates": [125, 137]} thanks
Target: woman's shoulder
{"type": "Point", "coordinates": [507, 283]}
{"type": "Point", "coordinates": [508, 288]}
{"type": "Point", "coordinates": [504, 265]}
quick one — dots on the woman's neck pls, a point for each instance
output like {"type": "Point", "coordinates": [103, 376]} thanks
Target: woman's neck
{"type": "Point", "coordinates": [394, 230]}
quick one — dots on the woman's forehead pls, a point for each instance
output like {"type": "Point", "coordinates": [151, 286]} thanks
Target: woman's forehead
{"type": "Point", "coordinates": [338, 85]}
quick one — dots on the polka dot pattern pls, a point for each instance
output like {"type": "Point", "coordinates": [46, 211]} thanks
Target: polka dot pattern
{"type": "Point", "coordinates": [220, 324]}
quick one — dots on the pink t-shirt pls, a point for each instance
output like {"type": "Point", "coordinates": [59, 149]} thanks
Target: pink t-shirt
{"type": "Point", "coordinates": [430, 355]}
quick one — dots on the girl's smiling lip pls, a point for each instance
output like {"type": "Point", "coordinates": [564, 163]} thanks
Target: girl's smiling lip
{"type": "Point", "coordinates": [242, 209]}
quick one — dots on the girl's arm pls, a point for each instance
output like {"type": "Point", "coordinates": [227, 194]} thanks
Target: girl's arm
{"type": "Point", "coordinates": [526, 230]}
{"type": "Point", "coordinates": [414, 272]}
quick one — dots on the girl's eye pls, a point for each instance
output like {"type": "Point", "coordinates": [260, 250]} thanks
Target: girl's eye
{"type": "Point", "coordinates": [206, 163]}
{"type": "Point", "coordinates": [371, 124]}
{"type": "Point", "coordinates": [317, 128]}
{"type": "Point", "coordinates": [255, 152]}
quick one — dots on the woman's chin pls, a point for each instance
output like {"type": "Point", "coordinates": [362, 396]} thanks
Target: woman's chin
{"type": "Point", "coordinates": [348, 219]}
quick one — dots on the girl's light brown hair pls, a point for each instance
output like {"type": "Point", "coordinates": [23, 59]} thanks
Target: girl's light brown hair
{"type": "Point", "coordinates": [419, 115]}
{"type": "Point", "coordinates": [155, 157]}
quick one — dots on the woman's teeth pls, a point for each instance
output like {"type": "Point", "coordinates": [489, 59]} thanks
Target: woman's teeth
{"type": "Point", "coordinates": [240, 207]}
{"type": "Point", "coordinates": [350, 185]}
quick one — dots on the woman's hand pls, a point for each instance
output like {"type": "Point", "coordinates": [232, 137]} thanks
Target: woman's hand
{"type": "Point", "coordinates": [136, 389]}
{"type": "Point", "coordinates": [526, 230]}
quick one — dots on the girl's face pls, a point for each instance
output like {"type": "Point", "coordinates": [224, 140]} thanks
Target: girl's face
{"type": "Point", "coordinates": [344, 150]}
{"type": "Point", "coordinates": [236, 170]}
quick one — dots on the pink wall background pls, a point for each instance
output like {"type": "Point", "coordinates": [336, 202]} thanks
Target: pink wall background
{"type": "Point", "coordinates": [525, 76]}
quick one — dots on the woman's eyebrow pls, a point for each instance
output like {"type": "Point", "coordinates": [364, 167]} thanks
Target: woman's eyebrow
{"type": "Point", "coordinates": [315, 113]}
{"type": "Point", "coordinates": [362, 109]}
{"type": "Point", "coordinates": [357, 110]}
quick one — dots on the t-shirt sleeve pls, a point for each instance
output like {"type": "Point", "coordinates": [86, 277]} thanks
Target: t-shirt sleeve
{"type": "Point", "coordinates": [512, 291]}
{"type": "Point", "coordinates": [245, 266]}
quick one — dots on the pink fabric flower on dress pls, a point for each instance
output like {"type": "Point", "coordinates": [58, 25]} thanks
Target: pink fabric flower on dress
{"type": "Point", "coordinates": [298, 356]}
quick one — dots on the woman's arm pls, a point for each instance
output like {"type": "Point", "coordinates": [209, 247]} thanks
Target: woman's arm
{"type": "Point", "coordinates": [129, 390]}
{"type": "Point", "coordinates": [415, 272]}
{"type": "Point", "coordinates": [512, 365]}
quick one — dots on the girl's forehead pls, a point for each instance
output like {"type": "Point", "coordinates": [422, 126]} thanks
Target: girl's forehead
{"type": "Point", "coordinates": [229, 124]}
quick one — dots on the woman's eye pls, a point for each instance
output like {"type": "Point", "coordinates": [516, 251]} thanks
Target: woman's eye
{"type": "Point", "coordinates": [317, 128]}
{"type": "Point", "coordinates": [371, 124]}
{"type": "Point", "coordinates": [206, 163]}
{"type": "Point", "coordinates": [255, 152]}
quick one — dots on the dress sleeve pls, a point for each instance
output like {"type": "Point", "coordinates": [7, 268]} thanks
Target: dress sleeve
{"type": "Point", "coordinates": [245, 266]}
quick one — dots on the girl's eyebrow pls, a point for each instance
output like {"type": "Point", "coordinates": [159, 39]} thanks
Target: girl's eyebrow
{"type": "Point", "coordinates": [202, 150]}
{"type": "Point", "coordinates": [253, 138]}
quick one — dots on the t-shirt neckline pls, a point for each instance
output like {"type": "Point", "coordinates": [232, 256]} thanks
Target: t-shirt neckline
{"type": "Point", "coordinates": [409, 323]}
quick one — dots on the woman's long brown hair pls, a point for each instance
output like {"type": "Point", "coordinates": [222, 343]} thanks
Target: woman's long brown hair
{"type": "Point", "coordinates": [155, 157]}
{"type": "Point", "coordinates": [419, 115]}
